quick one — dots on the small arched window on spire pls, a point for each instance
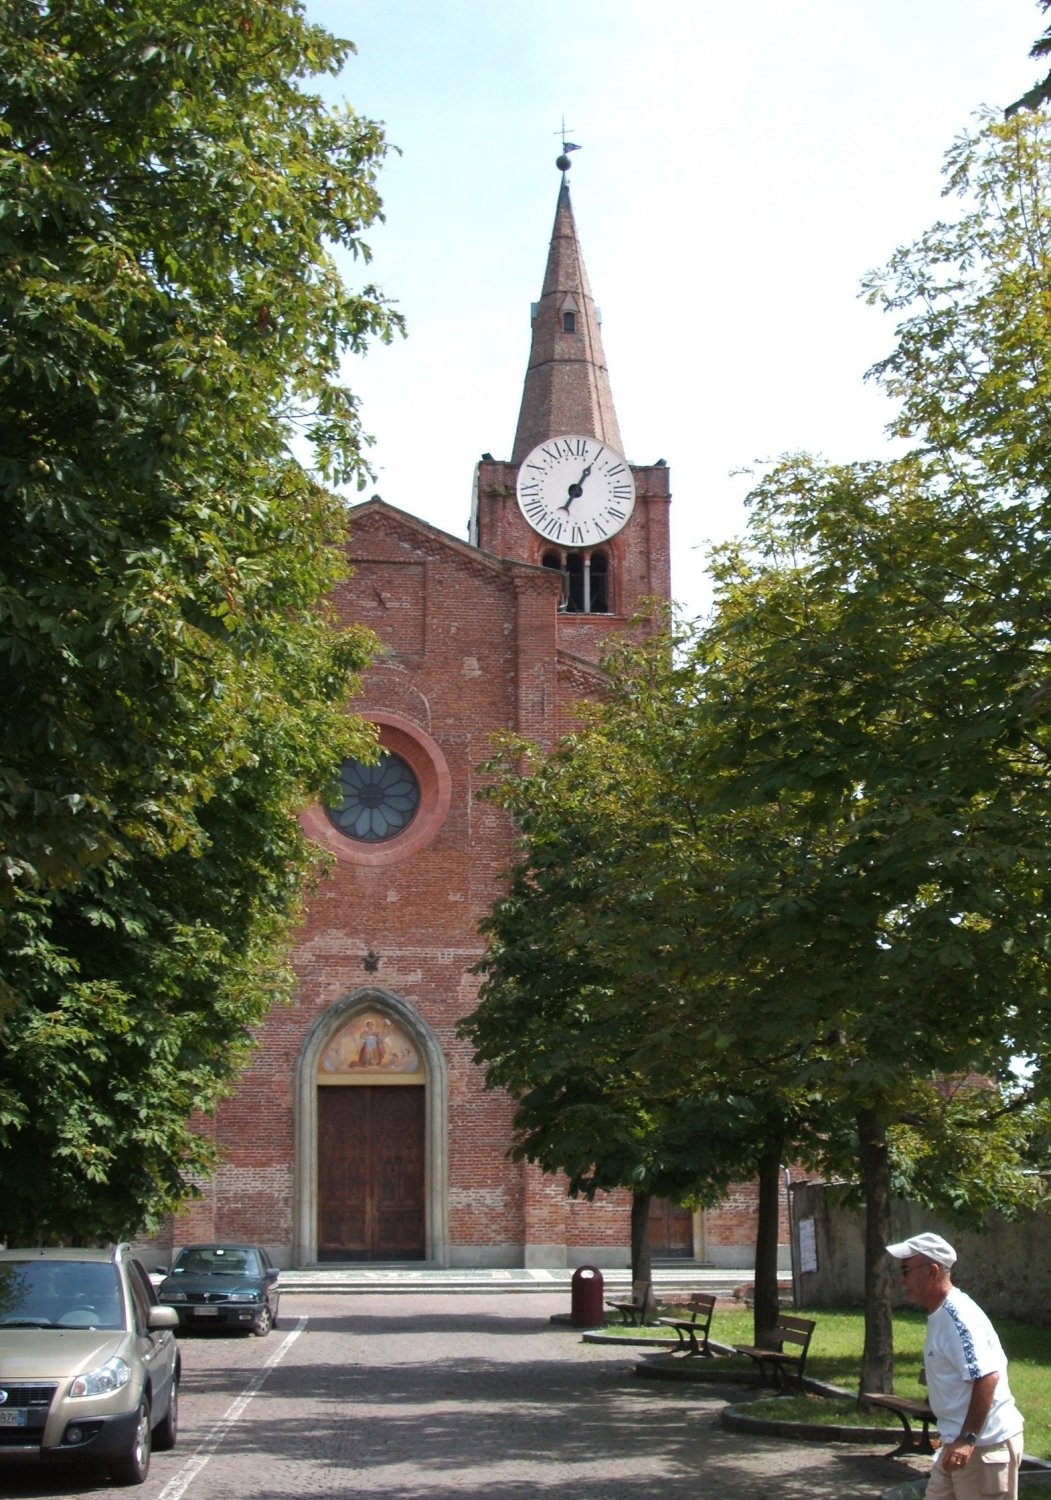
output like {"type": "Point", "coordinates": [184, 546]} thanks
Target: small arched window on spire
{"type": "Point", "coordinates": [569, 309]}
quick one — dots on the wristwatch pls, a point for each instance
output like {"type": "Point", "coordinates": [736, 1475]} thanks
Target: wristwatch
{"type": "Point", "coordinates": [969, 1437]}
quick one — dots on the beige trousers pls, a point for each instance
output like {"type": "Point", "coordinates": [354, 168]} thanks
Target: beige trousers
{"type": "Point", "coordinates": [989, 1471]}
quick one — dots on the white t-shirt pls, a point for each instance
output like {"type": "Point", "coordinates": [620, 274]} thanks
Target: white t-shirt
{"type": "Point", "coordinates": [962, 1346]}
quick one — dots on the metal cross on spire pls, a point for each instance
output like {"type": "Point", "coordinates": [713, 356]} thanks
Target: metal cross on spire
{"type": "Point", "coordinates": [563, 163]}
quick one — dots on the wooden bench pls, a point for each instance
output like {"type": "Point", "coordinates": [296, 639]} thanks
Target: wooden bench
{"type": "Point", "coordinates": [633, 1312]}
{"type": "Point", "coordinates": [772, 1355]}
{"type": "Point", "coordinates": [908, 1412]}
{"type": "Point", "coordinates": [692, 1332]}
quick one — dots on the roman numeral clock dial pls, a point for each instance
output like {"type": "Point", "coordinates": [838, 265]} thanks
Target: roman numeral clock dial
{"type": "Point", "coordinates": [575, 491]}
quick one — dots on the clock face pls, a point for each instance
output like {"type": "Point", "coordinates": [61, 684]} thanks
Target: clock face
{"type": "Point", "coordinates": [575, 491]}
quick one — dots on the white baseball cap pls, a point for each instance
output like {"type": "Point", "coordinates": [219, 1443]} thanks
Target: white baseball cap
{"type": "Point", "coordinates": [930, 1245]}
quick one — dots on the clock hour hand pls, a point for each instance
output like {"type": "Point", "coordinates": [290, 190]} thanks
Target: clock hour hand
{"type": "Point", "coordinates": [576, 490]}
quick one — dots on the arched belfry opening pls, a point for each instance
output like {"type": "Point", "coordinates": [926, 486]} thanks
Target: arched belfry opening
{"type": "Point", "coordinates": [371, 1136]}
{"type": "Point", "coordinates": [586, 580]}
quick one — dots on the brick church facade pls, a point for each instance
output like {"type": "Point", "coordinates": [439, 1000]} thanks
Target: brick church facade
{"type": "Point", "coordinates": [362, 1131]}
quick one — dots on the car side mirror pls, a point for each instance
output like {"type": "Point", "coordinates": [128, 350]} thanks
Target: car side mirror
{"type": "Point", "coordinates": [162, 1317]}
{"type": "Point", "coordinates": [272, 1273]}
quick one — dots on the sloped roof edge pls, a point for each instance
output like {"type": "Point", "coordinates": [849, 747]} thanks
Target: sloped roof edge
{"type": "Point", "coordinates": [405, 520]}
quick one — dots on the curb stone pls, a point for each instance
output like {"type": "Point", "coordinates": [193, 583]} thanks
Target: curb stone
{"type": "Point", "coordinates": [736, 1419]}
{"type": "Point", "coordinates": [1029, 1481]}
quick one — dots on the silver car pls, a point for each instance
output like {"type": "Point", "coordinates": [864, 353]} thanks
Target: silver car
{"type": "Point", "coordinates": [89, 1365]}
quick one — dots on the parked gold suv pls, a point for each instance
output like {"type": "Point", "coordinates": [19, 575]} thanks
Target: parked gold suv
{"type": "Point", "coordinates": [89, 1366]}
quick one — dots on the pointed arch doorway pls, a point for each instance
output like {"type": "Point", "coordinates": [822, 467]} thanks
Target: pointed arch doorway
{"type": "Point", "coordinates": [371, 1136]}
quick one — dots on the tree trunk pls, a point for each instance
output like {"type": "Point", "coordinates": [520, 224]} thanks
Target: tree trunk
{"type": "Point", "coordinates": [641, 1267]}
{"type": "Point", "coordinates": [877, 1360]}
{"type": "Point", "coordinates": [767, 1303]}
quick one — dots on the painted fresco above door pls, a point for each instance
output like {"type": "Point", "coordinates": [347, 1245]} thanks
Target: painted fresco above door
{"type": "Point", "coordinates": [370, 1048]}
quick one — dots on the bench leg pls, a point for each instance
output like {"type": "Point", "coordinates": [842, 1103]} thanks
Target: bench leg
{"type": "Point", "coordinates": [910, 1441]}
{"type": "Point", "coordinates": [778, 1377]}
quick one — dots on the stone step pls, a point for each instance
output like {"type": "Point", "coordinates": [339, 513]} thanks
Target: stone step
{"type": "Point", "coordinates": [432, 1279]}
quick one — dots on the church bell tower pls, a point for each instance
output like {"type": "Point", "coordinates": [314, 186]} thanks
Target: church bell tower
{"type": "Point", "coordinates": [568, 499]}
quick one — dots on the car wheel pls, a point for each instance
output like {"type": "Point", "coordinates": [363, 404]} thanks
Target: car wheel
{"type": "Point", "coordinates": [167, 1429]}
{"type": "Point", "coordinates": [264, 1321]}
{"type": "Point", "coordinates": [133, 1467]}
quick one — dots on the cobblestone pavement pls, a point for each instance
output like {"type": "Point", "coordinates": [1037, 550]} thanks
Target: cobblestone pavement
{"type": "Point", "coordinates": [431, 1397]}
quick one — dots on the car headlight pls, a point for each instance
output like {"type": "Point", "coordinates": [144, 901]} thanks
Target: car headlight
{"type": "Point", "coordinates": [108, 1378]}
{"type": "Point", "coordinates": [173, 1297]}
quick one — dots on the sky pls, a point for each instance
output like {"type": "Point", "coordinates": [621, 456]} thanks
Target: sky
{"type": "Point", "coordinates": [743, 164]}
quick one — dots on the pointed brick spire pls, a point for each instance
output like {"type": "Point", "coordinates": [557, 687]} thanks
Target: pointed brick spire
{"type": "Point", "coordinates": [567, 386]}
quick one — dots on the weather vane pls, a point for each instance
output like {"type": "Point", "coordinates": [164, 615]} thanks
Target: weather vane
{"type": "Point", "coordinates": [563, 162]}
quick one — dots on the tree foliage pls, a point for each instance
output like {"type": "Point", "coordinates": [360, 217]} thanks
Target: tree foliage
{"type": "Point", "coordinates": [569, 1019]}
{"type": "Point", "coordinates": [172, 196]}
{"type": "Point", "coordinates": [635, 1058]}
{"type": "Point", "coordinates": [911, 935]}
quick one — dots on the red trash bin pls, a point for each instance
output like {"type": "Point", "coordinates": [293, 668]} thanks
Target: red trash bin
{"type": "Point", "coordinates": [586, 1298]}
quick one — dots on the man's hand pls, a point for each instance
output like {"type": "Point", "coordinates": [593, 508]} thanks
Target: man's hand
{"type": "Point", "coordinates": [957, 1455]}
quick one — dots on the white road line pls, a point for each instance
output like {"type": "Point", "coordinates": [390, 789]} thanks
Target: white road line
{"type": "Point", "coordinates": [180, 1483]}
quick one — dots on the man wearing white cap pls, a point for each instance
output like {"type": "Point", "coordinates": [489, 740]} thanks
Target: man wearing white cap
{"type": "Point", "coordinates": [966, 1371]}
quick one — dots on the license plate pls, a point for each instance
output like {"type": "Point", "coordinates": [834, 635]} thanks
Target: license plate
{"type": "Point", "coordinates": [206, 1312]}
{"type": "Point", "coordinates": [13, 1416]}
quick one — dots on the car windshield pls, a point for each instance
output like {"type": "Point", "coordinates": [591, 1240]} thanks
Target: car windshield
{"type": "Point", "coordinates": [60, 1294]}
{"type": "Point", "coordinates": [216, 1261]}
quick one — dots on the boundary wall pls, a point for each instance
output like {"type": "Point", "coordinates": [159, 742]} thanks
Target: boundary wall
{"type": "Point", "coordinates": [1006, 1266]}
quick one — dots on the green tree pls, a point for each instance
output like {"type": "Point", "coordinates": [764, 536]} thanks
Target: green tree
{"type": "Point", "coordinates": [562, 1021]}
{"type": "Point", "coordinates": [878, 692]}
{"type": "Point", "coordinates": [172, 196]}
{"type": "Point", "coordinates": [598, 1010]}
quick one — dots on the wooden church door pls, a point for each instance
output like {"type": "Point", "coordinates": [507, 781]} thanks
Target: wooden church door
{"type": "Point", "coordinates": [370, 1173]}
{"type": "Point", "coordinates": [371, 1112]}
{"type": "Point", "coordinates": [671, 1229]}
